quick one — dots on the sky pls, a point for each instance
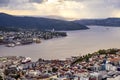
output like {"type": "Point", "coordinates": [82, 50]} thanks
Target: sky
{"type": "Point", "coordinates": [67, 9]}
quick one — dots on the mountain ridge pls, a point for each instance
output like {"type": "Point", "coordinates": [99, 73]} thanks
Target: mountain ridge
{"type": "Point", "coordinates": [111, 21]}
{"type": "Point", "coordinates": [38, 23]}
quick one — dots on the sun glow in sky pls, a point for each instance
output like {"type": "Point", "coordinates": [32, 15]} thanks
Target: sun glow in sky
{"type": "Point", "coordinates": [52, 1]}
{"type": "Point", "coordinates": [67, 9]}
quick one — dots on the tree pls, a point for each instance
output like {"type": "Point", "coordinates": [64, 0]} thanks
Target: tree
{"type": "Point", "coordinates": [1, 78]}
{"type": "Point", "coordinates": [102, 51]}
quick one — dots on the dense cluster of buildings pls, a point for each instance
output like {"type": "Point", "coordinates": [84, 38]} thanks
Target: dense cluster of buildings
{"type": "Point", "coordinates": [12, 39]}
{"type": "Point", "coordinates": [97, 67]}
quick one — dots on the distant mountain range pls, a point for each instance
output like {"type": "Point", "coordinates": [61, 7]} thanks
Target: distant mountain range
{"type": "Point", "coordinates": [114, 22]}
{"type": "Point", "coordinates": [59, 17]}
{"type": "Point", "coordinates": [39, 23]}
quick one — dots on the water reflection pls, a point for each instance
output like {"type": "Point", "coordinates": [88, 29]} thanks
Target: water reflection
{"type": "Point", "coordinates": [76, 43]}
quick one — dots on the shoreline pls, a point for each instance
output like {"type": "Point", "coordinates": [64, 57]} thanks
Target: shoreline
{"type": "Point", "coordinates": [75, 56]}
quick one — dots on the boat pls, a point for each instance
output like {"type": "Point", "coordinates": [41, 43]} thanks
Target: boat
{"type": "Point", "coordinates": [38, 41]}
{"type": "Point", "coordinates": [10, 45]}
{"type": "Point", "coordinates": [27, 59]}
{"type": "Point", "coordinates": [17, 43]}
{"type": "Point", "coordinates": [26, 42]}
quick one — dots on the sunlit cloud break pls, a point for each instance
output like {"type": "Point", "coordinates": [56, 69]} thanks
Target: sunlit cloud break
{"type": "Point", "coordinates": [68, 9]}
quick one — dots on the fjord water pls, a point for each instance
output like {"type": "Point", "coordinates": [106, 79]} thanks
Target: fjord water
{"type": "Point", "coordinates": [76, 43]}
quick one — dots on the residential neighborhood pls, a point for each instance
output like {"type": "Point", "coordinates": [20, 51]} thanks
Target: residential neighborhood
{"type": "Point", "coordinates": [101, 65]}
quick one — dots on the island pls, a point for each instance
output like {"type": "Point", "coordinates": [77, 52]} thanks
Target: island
{"type": "Point", "coordinates": [25, 36]}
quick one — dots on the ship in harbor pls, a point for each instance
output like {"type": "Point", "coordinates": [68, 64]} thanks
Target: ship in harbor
{"type": "Point", "coordinates": [10, 45]}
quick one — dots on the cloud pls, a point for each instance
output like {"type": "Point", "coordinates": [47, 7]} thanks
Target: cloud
{"type": "Point", "coordinates": [16, 5]}
{"type": "Point", "coordinates": [63, 8]}
{"type": "Point", "coordinates": [4, 2]}
{"type": "Point", "coordinates": [36, 1]}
